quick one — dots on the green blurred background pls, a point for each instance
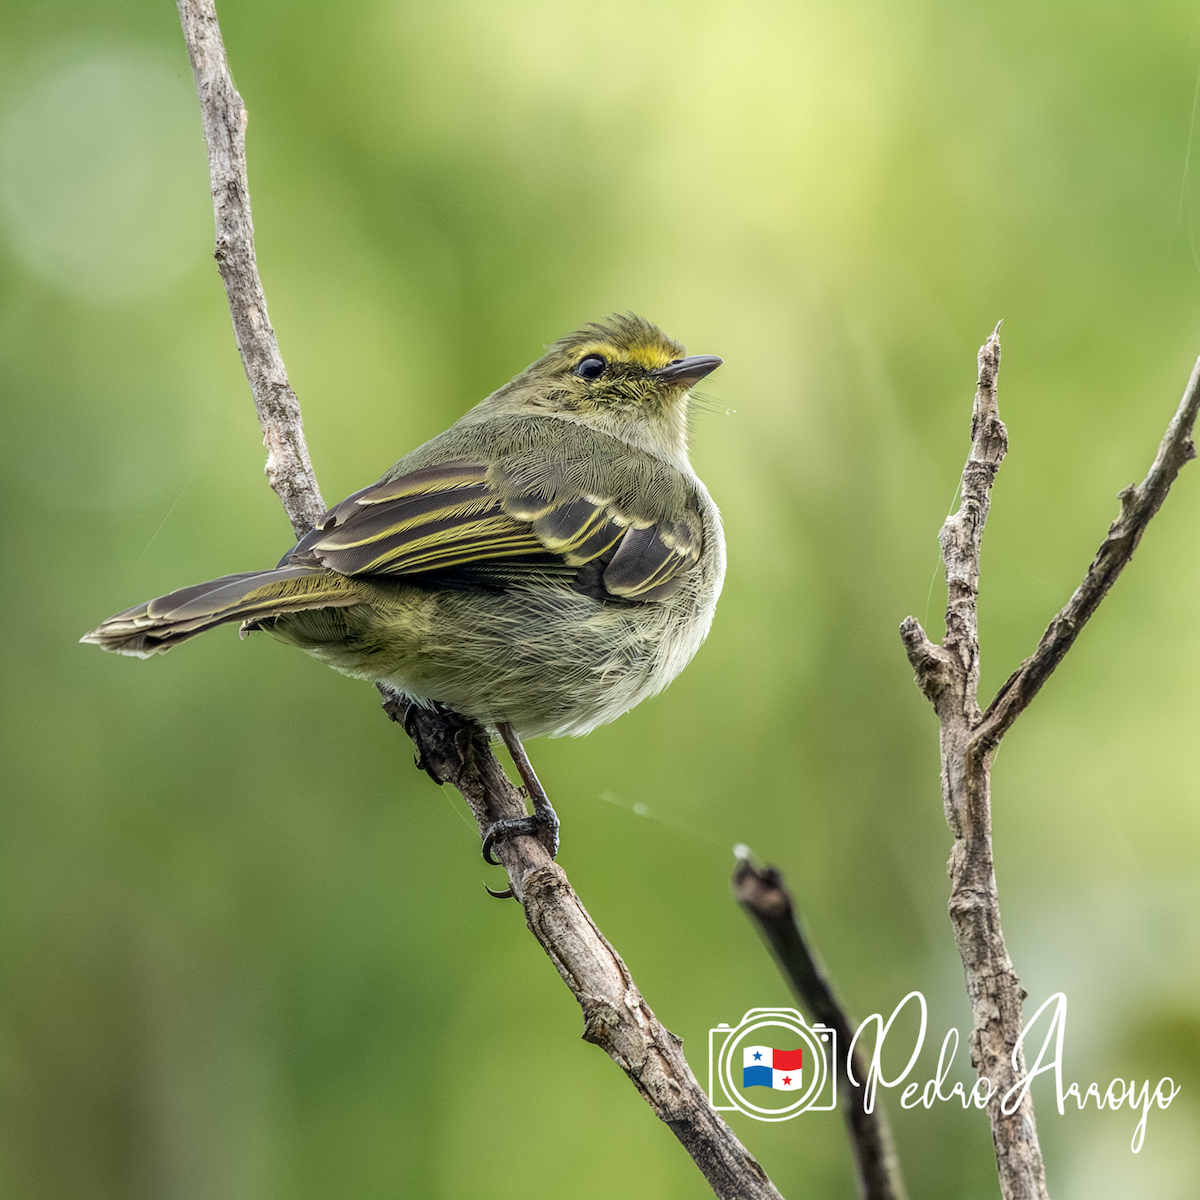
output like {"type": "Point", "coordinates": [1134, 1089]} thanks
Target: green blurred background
{"type": "Point", "coordinates": [246, 951]}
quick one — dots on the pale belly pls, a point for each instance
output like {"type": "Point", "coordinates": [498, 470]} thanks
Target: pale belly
{"type": "Point", "coordinates": [557, 663]}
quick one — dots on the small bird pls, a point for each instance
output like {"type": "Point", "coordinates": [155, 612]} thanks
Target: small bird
{"type": "Point", "coordinates": [543, 565]}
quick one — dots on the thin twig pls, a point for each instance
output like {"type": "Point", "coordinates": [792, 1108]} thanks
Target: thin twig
{"type": "Point", "coordinates": [289, 470]}
{"type": "Point", "coordinates": [452, 749]}
{"type": "Point", "coordinates": [1138, 504]}
{"type": "Point", "coordinates": [762, 893]}
{"type": "Point", "coordinates": [949, 677]}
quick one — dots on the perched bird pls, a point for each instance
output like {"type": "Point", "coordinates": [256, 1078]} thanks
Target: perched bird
{"type": "Point", "coordinates": [543, 565]}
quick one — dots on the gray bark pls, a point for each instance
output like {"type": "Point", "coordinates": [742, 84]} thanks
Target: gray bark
{"type": "Point", "coordinates": [949, 676]}
{"type": "Point", "coordinates": [289, 470]}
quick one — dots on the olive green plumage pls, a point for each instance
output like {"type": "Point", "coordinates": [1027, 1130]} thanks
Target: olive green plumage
{"type": "Point", "coordinates": [550, 560]}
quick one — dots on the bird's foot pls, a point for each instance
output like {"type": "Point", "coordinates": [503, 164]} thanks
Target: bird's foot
{"type": "Point", "coordinates": [543, 825]}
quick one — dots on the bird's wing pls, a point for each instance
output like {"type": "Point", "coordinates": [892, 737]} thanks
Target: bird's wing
{"type": "Point", "coordinates": [462, 515]}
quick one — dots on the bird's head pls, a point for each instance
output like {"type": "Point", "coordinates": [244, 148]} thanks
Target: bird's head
{"type": "Point", "coordinates": [622, 376]}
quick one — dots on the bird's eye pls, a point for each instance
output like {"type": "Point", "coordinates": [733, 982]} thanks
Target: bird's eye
{"type": "Point", "coordinates": [591, 367]}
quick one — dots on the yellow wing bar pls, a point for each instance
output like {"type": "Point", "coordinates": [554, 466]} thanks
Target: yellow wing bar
{"type": "Point", "coordinates": [437, 518]}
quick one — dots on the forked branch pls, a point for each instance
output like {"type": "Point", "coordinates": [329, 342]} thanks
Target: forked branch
{"type": "Point", "coordinates": [949, 677]}
{"type": "Point", "coordinates": [452, 750]}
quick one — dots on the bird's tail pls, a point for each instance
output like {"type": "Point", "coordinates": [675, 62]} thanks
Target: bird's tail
{"type": "Point", "coordinates": [157, 625]}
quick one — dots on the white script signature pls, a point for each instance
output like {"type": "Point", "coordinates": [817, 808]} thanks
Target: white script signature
{"type": "Point", "coordinates": [1116, 1095]}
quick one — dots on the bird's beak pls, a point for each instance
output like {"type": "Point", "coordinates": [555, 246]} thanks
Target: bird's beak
{"type": "Point", "coordinates": [688, 371]}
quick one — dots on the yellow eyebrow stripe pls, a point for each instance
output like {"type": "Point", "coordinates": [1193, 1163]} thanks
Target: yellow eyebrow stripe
{"type": "Point", "coordinates": [650, 357]}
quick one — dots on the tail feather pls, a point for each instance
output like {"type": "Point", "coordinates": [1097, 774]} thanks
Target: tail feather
{"type": "Point", "coordinates": [157, 625]}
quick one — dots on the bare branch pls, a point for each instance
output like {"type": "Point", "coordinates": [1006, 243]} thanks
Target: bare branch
{"type": "Point", "coordinates": [1138, 505]}
{"type": "Point", "coordinates": [289, 470]}
{"type": "Point", "coordinates": [452, 749]}
{"type": "Point", "coordinates": [615, 1016]}
{"type": "Point", "coordinates": [761, 892]}
{"type": "Point", "coordinates": [949, 676]}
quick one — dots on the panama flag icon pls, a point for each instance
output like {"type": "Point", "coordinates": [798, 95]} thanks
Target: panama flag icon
{"type": "Point", "coordinates": [777, 1069]}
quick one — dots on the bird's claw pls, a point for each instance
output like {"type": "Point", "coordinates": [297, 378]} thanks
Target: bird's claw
{"type": "Point", "coordinates": [543, 825]}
